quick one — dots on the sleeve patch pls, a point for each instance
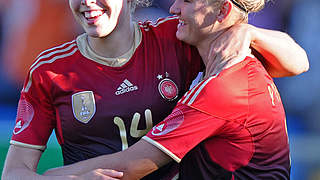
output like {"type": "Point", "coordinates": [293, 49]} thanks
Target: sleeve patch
{"type": "Point", "coordinates": [24, 116]}
{"type": "Point", "coordinates": [168, 124]}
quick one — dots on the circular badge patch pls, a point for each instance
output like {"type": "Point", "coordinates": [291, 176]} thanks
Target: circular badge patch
{"type": "Point", "coordinates": [24, 116]}
{"type": "Point", "coordinates": [172, 122]}
{"type": "Point", "coordinates": [168, 89]}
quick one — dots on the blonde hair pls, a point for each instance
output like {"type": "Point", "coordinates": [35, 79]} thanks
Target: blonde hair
{"type": "Point", "coordinates": [252, 5]}
{"type": "Point", "coordinates": [245, 7]}
{"type": "Point", "coordinates": [249, 6]}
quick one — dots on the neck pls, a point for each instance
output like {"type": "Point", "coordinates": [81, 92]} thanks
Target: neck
{"type": "Point", "coordinates": [116, 43]}
{"type": "Point", "coordinates": [213, 63]}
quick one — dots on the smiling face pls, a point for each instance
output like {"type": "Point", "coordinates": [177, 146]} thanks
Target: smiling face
{"type": "Point", "coordinates": [197, 19]}
{"type": "Point", "coordinates": [98, 17]}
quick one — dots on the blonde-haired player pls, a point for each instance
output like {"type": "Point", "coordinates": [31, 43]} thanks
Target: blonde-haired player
{"type": "Point", "coordinates": [105, 90]}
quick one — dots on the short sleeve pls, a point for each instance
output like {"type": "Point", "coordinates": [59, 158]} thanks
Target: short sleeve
{"type": "Point", "coordinates": [182, 130]}
{"type": "Point", "coordinates": [35, 118]}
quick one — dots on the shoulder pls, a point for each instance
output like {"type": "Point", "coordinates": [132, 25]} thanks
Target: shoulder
{"type": "Point", "coordinates": [47, 60]}
{"type": "Point", "coordinates": [224, 95]}
{"type": "Point", "coordinates": [53, 54]}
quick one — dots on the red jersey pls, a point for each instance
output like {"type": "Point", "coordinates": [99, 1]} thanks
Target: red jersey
{"type": "Point", "coordinates": [98, 109]}
{"type": "Point", "coordinates": [230, 126]}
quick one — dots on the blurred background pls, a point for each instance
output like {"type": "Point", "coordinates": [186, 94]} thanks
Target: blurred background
{"type": "Point", "coordinates": [29, 27]}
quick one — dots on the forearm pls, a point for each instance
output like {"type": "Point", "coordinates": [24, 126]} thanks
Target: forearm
{"type": "Point", "coordinates": [21, 163]}
{"type": "Point", "coordinates": [132, 169]}
{"type": "Point", "coordinates": [136, 162]}
{"type": "Point", "coordinates": [284, 57]}
{"type": "Point", "coordinates": [22, 173]}
{"type": "Point", "coordinates": [100, 162]}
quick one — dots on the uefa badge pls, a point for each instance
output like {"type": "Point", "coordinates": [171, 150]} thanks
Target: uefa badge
{"type": "Point", "coordinates": [83, 106]}
{"type": "Point", "coordinates": [168, 89]}
{"type": "Point", "coordinates": [172, 122]}
{"type": "Point", "coordinates": [24, 116]}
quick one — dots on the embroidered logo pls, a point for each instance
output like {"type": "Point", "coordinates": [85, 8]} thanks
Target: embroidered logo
{"type": "Point", "coordinates": [125, 87]}
{"type": "Point", "coordinates": [172, 122]}
{"type": "Point", "coordinates": [168, 89]}
{"type": "Point", "coordinates": [24, 116]}
{"type": "Point", "coordinates": [83, 106]}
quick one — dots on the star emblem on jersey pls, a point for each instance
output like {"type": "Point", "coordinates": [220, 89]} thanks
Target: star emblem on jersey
{"type": "Point", "coordinates": [125, 87]}
{"type": "Point", "coordinates": [168, 89]}
{"type": "Point", "coordinates": [172, 122]}
{"type": "Point", "coordinates": [83, 106]}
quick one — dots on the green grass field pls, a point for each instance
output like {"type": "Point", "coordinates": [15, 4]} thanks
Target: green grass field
{"type": "Point", "coordinates": [52, 157]}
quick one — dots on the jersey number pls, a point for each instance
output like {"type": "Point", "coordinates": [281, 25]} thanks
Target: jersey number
{"type": "Point", "coordinates": [134, 132]}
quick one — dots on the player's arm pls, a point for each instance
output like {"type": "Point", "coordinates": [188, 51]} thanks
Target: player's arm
{"type": "Point", "coordinates": [21, 163]}
{"type": "Point", "coordinates": [282, 56]}
{"type": "Point", "coordinates": [135, 162]}
{"type": "Point", "coordinates": [148, 154]}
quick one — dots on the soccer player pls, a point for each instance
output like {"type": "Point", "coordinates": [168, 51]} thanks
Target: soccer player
{"type": "Point", "coordinates": [230, 126]}
{"type": "Point", "coordinates": [103, 91]}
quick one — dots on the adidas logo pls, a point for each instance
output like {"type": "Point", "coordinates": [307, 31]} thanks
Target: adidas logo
{"type": "Point", "coordinates": [125, 87]}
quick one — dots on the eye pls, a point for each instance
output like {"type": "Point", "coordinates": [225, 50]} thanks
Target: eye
{"type": "Point", "coordinates": [188, 1]}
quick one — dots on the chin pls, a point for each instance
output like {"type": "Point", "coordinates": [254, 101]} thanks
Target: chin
{"type": "Point", "coordinates": [180, 36]}
{"type": "Point", "coordinates": [97, 34]}
{"type": "Point", "coordinates": [185, 38]}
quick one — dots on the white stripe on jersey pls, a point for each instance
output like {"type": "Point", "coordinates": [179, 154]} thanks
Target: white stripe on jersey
{"type": "Point", "coordinates": [164, 20]}
{"type": "Point", "coordinates": [159, 22]}
{"type": "Point", "coordinates": [190, 92]}
{"type": "Point", "coordinates": [55, 48]}
{"type": "Point", "coordinates": [26, 89]}
{"type": "Point", "coordinates": [53, 52]}
{"type": "Point", "coordinates": [162, 148]}
{"type": "Point", "coordinates": [176, 177]}
{"type": "Point", "coordinates": [198, 89]}
{"type": "Point", "coordinates": [16, 143]}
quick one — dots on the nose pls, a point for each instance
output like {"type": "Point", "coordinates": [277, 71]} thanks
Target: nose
{"type": "Point", "coordinates": [175, 8]}
{"type": "Point", "coordinates": [87, 2]}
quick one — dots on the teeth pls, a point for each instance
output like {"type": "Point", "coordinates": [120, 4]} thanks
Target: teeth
{"type": "Point", "coordinates": [92, 14]}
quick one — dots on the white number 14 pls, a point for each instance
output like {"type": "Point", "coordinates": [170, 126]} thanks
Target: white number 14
{"type": "Point", "coordinates": [134, 132]}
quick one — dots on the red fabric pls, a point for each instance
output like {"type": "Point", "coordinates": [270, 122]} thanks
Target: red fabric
{"type": "Point", "coordinates": [234, 118]}
{"type": "Point", "coordinates": [60, 73]}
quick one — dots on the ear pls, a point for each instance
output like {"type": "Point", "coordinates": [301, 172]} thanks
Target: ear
{"type": "Point", "coordinates": [224, 11]}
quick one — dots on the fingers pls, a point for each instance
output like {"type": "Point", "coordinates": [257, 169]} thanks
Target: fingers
{"type": "Point", "coordinates": [228, 49]}
{"type": "Point", "coordinates": [233, 42]}
{"type": "Point", "coordinates": [101, 174]}
{"type": "Point", "coordinates": [110, 172]}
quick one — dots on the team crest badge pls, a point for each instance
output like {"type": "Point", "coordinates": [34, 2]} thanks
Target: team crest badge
{"type": "Point", "coordinates": [168, 89]}
{"type": "Point", "coordinates": [83, 106]}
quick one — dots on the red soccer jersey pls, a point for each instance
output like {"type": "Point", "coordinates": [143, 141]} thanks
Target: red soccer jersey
{"type": "Point", "coordinates": [96, 109]}
{"type": "Point", "coordinates": [229, 126]}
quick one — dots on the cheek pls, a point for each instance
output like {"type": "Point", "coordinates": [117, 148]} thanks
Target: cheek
{"type": "Point", "coordinates": [74, 4]}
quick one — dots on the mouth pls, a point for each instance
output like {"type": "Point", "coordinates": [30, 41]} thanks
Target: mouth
{"type": "Point", "coordinates": [93, 16]}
